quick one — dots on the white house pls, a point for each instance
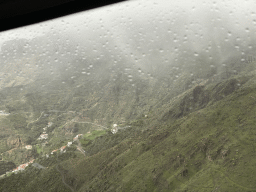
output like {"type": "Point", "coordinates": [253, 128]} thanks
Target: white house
{"type": "Point", "coordinates": [4, 113]}
{"type": "Point", "coordinates": [114, 130]}
{"type": "Point", "coordinates": [49, 124]}
{"type": "Point", "coordinates": [28, 146]}
{"type": "Point", "coordinates": [77, 136]}
{"type": "Point", "coordinates": [69, 143]}
{"type": "Point", "coordinates": [62, 149]}
{"type": "Point", "coordinates": [43, 136]}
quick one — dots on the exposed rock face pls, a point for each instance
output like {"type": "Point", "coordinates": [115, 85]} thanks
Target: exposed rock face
{"type": "Point", "coordinates": [15, 142]}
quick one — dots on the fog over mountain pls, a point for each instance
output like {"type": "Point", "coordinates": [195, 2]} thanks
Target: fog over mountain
{"type": "Point", "coordinates": [141, 66]}
{"type": "Point", "coordinates": [152, 36]}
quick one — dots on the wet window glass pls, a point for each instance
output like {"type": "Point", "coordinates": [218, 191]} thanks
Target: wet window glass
{"type": "Point", "coordinates": [136, 96]}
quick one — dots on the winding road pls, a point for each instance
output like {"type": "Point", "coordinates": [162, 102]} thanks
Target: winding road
{"type": "Point", "coordinates": [35, 120]}
{"type": "Point", "coordinates": [79, 147]}
{"type": "Point", "coordinates": [63, 179]}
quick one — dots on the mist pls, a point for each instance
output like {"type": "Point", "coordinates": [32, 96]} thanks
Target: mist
{"type": "Point", "coordinates": [161, 38]}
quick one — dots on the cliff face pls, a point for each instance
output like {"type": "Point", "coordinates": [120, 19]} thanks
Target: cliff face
{"type": "Point", "coordinates": [17, 154]}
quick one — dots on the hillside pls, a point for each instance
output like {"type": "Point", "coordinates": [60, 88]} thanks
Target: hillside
{"type": "Point", "coordinates": [200, 140]}
{"type": "Point", "coordinates": [67, 87]}
{"type": "Point", "coordinates": [134, 97]}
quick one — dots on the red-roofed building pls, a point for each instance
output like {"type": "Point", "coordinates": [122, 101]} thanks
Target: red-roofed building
{"type": "Point", "coordinates": [62, 149]}
{"type": "Point", "coordinates": [22, 166]}
{"type": "Point", "coordinates": [54, 151]}
{"type": "Point", "coordinates": [77, 136]}
{"type": "Point", "coordinates": [31, 161]}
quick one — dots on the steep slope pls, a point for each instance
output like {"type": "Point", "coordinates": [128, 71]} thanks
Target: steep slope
{"type": "Point", "coordinates": [204, 145]}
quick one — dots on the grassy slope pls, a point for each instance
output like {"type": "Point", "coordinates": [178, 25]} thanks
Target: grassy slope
{"type": "Point", "coordinates": [202, 140]}
{"type": "Point", "coordinates": [211, 148]}
{"type": "Point", "coordinates": [188, 154]}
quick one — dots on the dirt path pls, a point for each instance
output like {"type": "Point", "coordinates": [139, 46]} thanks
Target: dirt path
{"type": "Point", "coordinates": [233, 182]}
{"type": "Point", "coordinates": [35, 120]}
{"type": "Point", "coordinates": [79, 148]}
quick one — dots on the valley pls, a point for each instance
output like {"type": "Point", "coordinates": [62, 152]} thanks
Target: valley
{"type": "Point", "coordinates": [148, 98]}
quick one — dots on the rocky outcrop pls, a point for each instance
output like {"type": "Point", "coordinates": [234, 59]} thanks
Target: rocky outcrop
{"type": "Point", "coordinates": [15, 142]}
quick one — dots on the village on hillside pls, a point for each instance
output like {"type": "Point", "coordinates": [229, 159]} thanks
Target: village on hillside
{"type": "Point", "coordinates": [44, 136]}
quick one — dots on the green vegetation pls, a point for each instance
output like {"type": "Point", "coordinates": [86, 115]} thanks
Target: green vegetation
{"type": "Point", "coordinates": [39, 149]}
{"type": "Point", "coordinates": [89, 137]}
{"type": "Point", "coordinates": [193, 148]}
{"type": "Point", "coordinates": [94, 134]}
{"type": "Point", "coordinates": [197, 136]}
{"type": "Point", "coordinates": [6, 166]}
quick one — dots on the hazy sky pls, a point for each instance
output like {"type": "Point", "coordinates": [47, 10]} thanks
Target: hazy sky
{"type": "Point", "coordinates": [196, 13]}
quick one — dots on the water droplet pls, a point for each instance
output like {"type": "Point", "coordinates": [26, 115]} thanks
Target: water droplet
{"type": "Point", "coordinates": [196, 54]}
